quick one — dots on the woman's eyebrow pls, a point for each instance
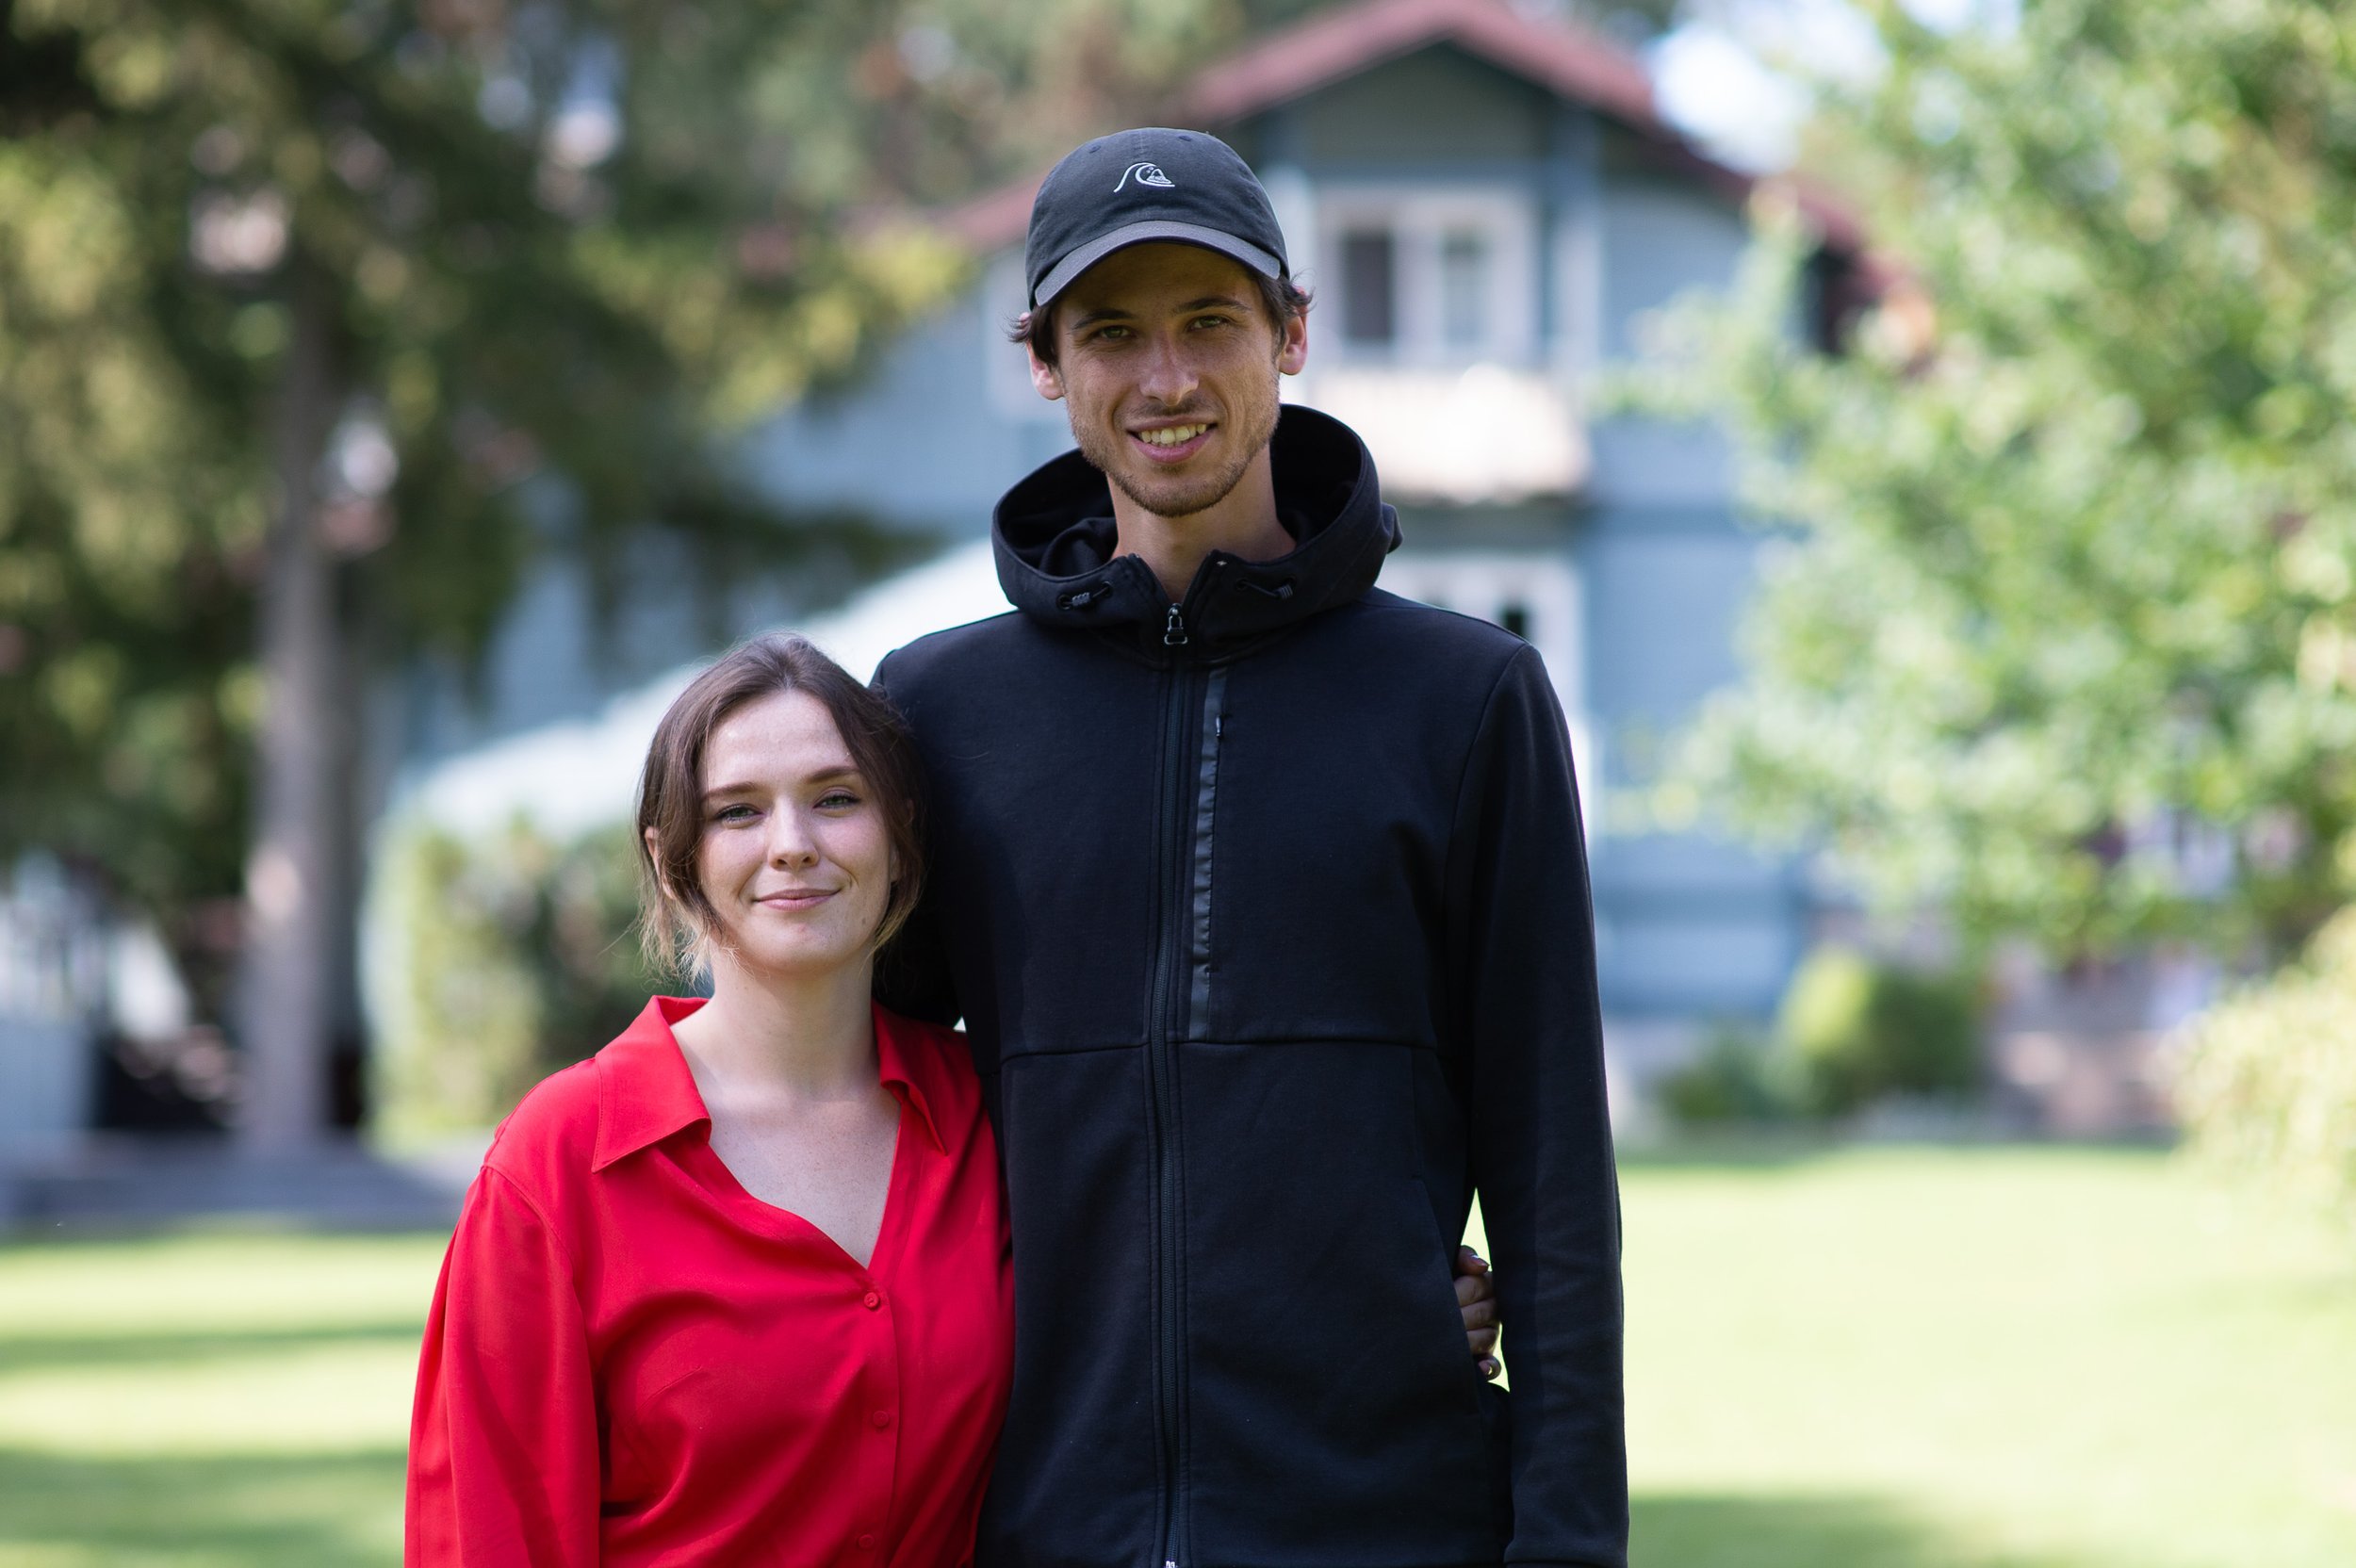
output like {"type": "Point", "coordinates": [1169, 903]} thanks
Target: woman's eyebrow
{"type": "Point", "coordinates": [820, 776]}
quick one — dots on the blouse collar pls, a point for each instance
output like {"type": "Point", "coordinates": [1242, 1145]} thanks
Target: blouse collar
{"type": "Point", "coordinates": [645, 1092]}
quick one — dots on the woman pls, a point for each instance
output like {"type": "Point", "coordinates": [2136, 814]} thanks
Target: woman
{"type": "Point", "coordinates": [736, 1289]}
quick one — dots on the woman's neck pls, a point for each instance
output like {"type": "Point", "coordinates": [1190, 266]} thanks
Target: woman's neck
{"type": "Point", "coordinates": [809, 1038]}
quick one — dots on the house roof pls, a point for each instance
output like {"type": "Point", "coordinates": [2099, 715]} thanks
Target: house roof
{"type": "Point", "coordinates": [1347, 40]}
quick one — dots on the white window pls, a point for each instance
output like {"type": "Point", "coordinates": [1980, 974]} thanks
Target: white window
{"type": "Point", "coordinates": [1428, 277]}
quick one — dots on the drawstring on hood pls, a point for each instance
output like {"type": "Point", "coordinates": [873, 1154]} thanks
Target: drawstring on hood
{"type": "Point", "coordinates": [1055, 538]}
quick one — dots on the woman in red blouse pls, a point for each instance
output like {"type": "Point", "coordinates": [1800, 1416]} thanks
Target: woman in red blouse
{"type": "Point", "coordinates": [736, 1289]}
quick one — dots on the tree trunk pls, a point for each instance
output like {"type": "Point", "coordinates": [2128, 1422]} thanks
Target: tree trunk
{"type": "Point", "coordinates": [287, 993]}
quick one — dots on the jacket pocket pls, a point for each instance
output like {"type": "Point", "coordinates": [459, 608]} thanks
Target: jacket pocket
{"type": "Point", "coordinates": [1333, 1413]}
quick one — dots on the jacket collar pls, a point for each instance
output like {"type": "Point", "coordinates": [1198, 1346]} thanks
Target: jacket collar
{"type": "Point", "coordinates": [645, 1092]}
{"type": "Point", "coordinates": [1055, 538]}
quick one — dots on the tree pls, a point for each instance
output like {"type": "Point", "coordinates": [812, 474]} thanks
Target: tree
{"type": "Point", "coordinates": [2060, 629]}
{"type": "Point", "coordinates": [294, 298]}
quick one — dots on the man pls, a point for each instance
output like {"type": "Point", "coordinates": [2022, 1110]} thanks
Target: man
{"type": "Point", "coordinates": [1263, 896]}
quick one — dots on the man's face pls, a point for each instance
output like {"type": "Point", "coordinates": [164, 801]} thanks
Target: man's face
{"type": "Point", "coordinates": [1166, 360]}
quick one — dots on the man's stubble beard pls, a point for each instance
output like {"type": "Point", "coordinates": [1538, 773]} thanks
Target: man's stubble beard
{"type": "Point", "coordinates": [1174, 496]}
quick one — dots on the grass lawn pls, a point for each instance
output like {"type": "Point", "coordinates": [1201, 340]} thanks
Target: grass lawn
{"type": "Point", "coordinates": [1871, 1359]}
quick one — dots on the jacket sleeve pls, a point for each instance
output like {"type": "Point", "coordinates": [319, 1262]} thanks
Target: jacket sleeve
{"type": "Point", "coordinates": [503, 1452]}
{"type": "Point", "coordinates": [1521, 957]}
{"type": "Point", "coordinates": [912, 973]}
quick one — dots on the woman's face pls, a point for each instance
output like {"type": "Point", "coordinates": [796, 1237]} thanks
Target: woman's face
{"type": "Point", "coordinates": [795, 855]}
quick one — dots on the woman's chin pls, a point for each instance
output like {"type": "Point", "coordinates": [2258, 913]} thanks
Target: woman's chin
{"type": "Point", "coordinates": [768, 960]}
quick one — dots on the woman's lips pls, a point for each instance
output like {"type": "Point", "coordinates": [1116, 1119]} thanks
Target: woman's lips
{"type": "Point", "coordinates": [804, 898]}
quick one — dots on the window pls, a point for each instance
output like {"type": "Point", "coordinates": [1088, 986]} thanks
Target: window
{"type": "Point", "coordinates": [1370, 287]}
{"type": "Point", "coordinates": [1464, 285]}
{"type": "Point", "coordinates": [1430, 277]}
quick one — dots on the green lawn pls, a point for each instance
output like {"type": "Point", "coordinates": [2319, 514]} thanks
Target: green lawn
{"type": "Point", "coordinates": [1872, 1358]}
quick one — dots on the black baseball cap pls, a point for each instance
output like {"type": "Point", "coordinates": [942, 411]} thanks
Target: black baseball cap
{"type": "Point", "coordinates": [1135, 186]}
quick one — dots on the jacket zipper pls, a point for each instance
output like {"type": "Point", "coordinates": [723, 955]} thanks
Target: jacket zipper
{"type": "Point", "coordinates": [1181, 947]}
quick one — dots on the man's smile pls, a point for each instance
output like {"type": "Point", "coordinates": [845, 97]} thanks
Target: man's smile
{"type": "Point", "coordinates": [1172, 443]}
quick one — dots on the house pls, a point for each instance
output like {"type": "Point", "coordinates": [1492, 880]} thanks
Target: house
{"type": "Point", "coordinates": [1486, 204]}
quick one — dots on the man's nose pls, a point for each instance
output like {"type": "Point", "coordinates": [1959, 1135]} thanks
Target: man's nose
{"type": "Point", "coordinates": [1170, 373]}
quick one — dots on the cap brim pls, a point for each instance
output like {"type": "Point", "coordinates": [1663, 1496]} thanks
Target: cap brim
{"type": "Point", "coordinates": [1060, 275]}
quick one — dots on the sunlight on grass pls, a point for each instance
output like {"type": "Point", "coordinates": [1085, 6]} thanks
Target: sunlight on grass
{"type": "Point", "coordinates": [224, 1398]}
{"type": "Point", "coordinates": [2064, 1357]}
{"type": "Point", "coordinates": [1865, 1359]}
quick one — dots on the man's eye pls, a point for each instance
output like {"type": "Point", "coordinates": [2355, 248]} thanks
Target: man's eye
{"type": "Point", "coordinates": [1111, 335]}
{"type": "Point", "coordinates": [1210, 321]}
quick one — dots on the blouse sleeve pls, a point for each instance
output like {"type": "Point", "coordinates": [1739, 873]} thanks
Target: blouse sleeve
{"type": "Point", "coordinates": [503, 1459]}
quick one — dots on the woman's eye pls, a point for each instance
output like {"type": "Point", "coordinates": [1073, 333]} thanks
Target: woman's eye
{"type": "Point", "coordinates": [836, 800]}
{"type": "Point", "coordinates": [734, 814]}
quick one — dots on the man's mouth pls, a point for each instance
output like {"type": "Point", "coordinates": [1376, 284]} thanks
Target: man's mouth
{"type": "Point", "coordinates": [1172, 443]}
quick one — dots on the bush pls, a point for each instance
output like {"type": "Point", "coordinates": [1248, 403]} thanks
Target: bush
{"type": "Point", "coordinates": [1739, 1078]}
{"type": "Point", "coordinates": [2267, 1084]}
{"type": "Point", "coordinates": [1861, 1031]}
{"type": "Point", "coordinates": [503, 959]}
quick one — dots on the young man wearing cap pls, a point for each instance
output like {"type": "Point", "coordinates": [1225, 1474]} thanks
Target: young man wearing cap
{"type": "Point", "coordinates": [1263, 895]}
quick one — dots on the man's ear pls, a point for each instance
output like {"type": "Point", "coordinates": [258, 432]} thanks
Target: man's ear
{"type": "Point", "coordinates": [1044, 376]}
{"type": "Point", "coordinates": [1292, 348]}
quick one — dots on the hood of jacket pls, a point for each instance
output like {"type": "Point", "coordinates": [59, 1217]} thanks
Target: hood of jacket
{"type": "Point", "coordinates": [1055, 537]}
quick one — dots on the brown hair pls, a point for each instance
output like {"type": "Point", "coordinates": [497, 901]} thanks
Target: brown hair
{"type": "Point", "coordinates": [675, 917]}
{"type": "Point", "coordinates": [1282, 298]}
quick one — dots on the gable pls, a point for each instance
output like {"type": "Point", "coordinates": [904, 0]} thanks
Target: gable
{"type": "Point", "coordinates": [1437, 105]}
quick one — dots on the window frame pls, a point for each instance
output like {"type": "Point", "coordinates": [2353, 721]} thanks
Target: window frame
{"type": "Point", "coordinates": [1419, 220]}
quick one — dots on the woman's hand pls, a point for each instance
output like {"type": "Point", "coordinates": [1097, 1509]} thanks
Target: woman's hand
{"type": "Point", "coordinates": [1477, 1299]}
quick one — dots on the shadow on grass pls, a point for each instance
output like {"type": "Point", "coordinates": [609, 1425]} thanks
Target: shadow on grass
{"type": "Point", "coordinates": [337, 1512]}
{"type": "Point", "coordinates": [49, 1354]}
{"type": "Point", "coordinates": [1678, 1530]}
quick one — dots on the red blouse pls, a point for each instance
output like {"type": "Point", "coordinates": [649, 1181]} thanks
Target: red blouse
{"type": "Point", "coordinates": [631, 1359]}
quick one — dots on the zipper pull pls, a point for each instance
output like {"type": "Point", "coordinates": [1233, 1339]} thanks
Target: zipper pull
{"type": "Point", "coordinates": [1174, 636]}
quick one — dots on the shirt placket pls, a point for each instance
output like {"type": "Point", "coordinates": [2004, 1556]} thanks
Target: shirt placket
{"type": "Point", "coordinates": [879, 1449]}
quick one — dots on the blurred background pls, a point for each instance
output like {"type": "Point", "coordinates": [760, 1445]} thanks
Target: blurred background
{"type": "Point", "coordinates": [1916, 436]}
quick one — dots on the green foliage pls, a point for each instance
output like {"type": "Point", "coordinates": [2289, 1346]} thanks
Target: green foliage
{"type": "Point", "coordinates": [510, 957]}
{"type": "Point", "coordinates": [2269, 1079]}
{"type": "Point", "coordinates": [2062, 633]}
{"type": "Point", "coordinates": [1861, 1030]}
{"type": "Point", "coordinates": [551, 240]}
{"type": "Point", "coordinates": [1739, 1078]}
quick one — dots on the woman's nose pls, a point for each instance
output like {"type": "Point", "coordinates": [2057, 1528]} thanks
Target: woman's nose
{"type": "Point", "coordinates": [789, 840]}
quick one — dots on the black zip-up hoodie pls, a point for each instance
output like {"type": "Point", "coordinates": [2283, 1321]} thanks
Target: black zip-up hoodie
{"type": "Point", "coordinates": [1268, 915]}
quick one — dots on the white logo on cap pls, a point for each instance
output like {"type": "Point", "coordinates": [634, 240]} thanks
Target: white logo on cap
{"type": "Point", "coordinates": [1146, 174]}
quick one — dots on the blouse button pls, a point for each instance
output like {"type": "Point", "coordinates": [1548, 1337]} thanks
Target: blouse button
{"type": "Point", "coordinates": [871, 1300]}
{"type": "Point", "coordinates": [866, 1542]}
{"type": "Point", "coordinates": [883, 1419]}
